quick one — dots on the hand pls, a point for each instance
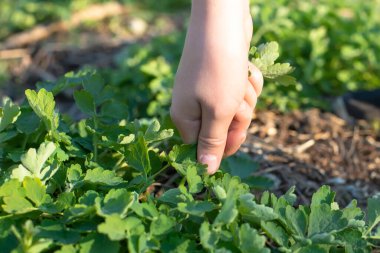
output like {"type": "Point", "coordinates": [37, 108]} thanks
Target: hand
{"type": "Point", "coordinates": [213, 97]}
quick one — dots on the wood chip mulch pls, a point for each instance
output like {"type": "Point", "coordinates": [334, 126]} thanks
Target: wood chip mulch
{"type": "Point", "coordinates": [312, 148]}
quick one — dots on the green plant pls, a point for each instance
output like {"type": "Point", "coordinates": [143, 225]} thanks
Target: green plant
{"type": "Point", "coordinates": [85, 186]}
{"type": "Point", "coordinates": [333, 46]}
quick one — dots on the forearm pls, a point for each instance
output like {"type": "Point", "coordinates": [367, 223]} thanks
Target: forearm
{"type": "Point", "coordinates": [220, 23]}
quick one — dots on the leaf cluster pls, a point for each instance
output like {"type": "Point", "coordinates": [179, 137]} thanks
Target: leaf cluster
{"type": "Point", "coordinates": [86, 185]}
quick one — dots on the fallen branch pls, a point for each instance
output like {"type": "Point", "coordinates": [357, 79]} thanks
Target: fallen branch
{"type": "Point", "coordinates": [95, 12]}
{"type": "Point", "coordinates": [13, 54]}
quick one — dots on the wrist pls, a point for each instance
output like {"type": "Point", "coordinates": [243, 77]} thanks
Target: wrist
{"type": "Point", "coordinates": [223, 24]}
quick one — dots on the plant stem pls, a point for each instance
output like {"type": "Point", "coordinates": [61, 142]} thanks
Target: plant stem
{"type": "Point", "coordinates": [95, 139]}
{"type": "Point", "coordinates": [160, 171]}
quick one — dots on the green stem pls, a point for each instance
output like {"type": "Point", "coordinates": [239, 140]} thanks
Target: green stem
{"type": "Point", "coordinates": [160, 171]}
{"type": "Point", "coordinates": [24, 142]}
{"type": "Point", "coordinates": [95, 139]}
{"type": "Point", "coordinates": [370, 228]}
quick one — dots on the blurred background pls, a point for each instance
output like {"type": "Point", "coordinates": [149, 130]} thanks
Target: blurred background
{"type": "Point", "coordinates": [322, 129]}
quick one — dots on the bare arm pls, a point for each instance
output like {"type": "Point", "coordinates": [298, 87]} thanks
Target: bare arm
{"type": "Point", "coordinates": [213, 98]}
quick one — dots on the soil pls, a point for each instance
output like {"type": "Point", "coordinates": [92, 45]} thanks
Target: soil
{"type": "Point", "coordinates": [312, 148]}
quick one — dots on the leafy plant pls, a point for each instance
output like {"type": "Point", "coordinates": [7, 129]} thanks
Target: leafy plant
{"type": "Point", "coordinates": [322, 42]}
{"type": "Point", "coordinates": [88, 185]}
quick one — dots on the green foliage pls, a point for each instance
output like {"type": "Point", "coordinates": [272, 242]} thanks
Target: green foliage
{"type": "Point", "coordinates": [69, 186]}
{"type": "Point", "coordinates": [333, 46]}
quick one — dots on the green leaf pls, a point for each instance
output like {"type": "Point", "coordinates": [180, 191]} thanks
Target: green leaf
{"type": "Point", "coordinates": [43, 105]}
{"type": "Point", "coordinates": [373, 212]}
{"type": "Point", "coordinates": [100, 176]}
{"type": "Point", "coordinates": [276, 232]}
{"type": "Point", "coordinates": [219, 192]}
{"type": "Point", "coordinates": [277, 70]}
{"type": "Point", "coordinates": [208, 237]}
{"type": "Point", "coordinates": [323, 196]}
{"type": "Point", "coordinates": [67, 249]}
{"type": "Point", "coordinates": [253, 212]}
{"type": "Point", "coordinates": [197, 208]}
{"type": "Point", "coordinates": [33, 163]}
{"type": "Point", "coordinates": [95, 85]}
{"type": "Point", "coordinates": [182, 153]}
{"type": "Point", "coordinates": [228, 213]}
{"type": "Point", "coordinates": [56, 231]}
{"type": "Point", "coordinates": [74, 173]}
{"type": "Point", "coordinates": [174, 243]}
{"type": "Point", "coordinates": [250, 240]}
{"type": "Point", "coordinates": [353, 241]}
{"type": "Point", "coordinates": [145, 210]}
{"type": "Point", "coordinates": [8, 113]}
{"type": "Point", "coordinates": [193, 179]}
{"type": "Point", "coordinates": [314, 249]}
{"type": "Point", "coordinates": [174, 196]}
{"type": "Point", "coordinates": [324, 220]}
{"type": "Point", "coordinates": [268, 53]}
{"type": "Point", "coordinates": [240, 164]}
{"type": "Point", "coordinates": [6, 136]}
{"type": "Point", "coordinates": [297, 219]}
{"type": "Point", "coordinates": [117, 201]}
{"type": "Point", "coordinates": [114, 227]}
{"type": "Point", "coordinates": [153, 133]}
{"type": "Point", "coordinates": [34, 190]}
{"type": "Point", "coordinates": [17, 204]}
{"type": "Point", "coordinates": [162, 225]}
{"type": "Point", "coordinates": [96, 243]}
{"type": "Point", "coordinates": [289, 196]}
{"type": "Point", "coordinates": [137, 155]}
{"type": "Point", "coordinates": [85, 102]}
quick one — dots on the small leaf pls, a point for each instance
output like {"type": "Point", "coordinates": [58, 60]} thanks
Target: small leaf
{"type": "Point", "coordinates": [114, 227]}
{"type": "Point", "coordinates": [145, 210]}
{"type": "Point", "coordinates": [116, 202]}
{"type": "Point", "coordinates": [250, 240]}
{"type": "Point", "coordinates": [100, 176]}
{"type": "Point", "coordinates": [96, 243]}
{"type": "Point", "coordinates": [162, 225]}
{"type": "Point", "coordinates": [323, 196]}
{"type": "Point", "coordinates": [324, 220]}
{"type": "Point", "coordinates": [137, 155]}
{"type": "Point", "coordinates": [153, 133]}
{"type": "Point", "coordinates": [197, 208]}
{"type": "Point", "coordinates": [43, 105]}
{"type": "Point", "coordinates": [373, 212]}
{"type": "Point", "coordinates": [8, 113]}
{"type": "Point", "coordinates": [34, 190]}
{"type": "Point", "coordinates": [209, 238]}
{"type": "Point", "coordinates": [194, 180]}
{"type": "Point", "coordinates": [240, 164]}
{"type": "Point", "coordinates": [85, 102]}
{"type": "Point", "coordinates": [268, 52]}
{"type": "Point", "coordinates": [33, 163]}
{"type": "Point", "coordinates": [276, 232]}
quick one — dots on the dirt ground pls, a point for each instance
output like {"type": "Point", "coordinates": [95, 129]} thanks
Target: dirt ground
{"type": "Point", "coordinates": [312, 148]}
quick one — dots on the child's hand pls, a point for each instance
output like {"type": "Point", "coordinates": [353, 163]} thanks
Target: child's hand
{"type": "Point", "coordinates": [213, 97]}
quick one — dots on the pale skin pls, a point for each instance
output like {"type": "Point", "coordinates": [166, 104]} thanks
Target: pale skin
{"type": "Point", "coordinates": [214, 96]}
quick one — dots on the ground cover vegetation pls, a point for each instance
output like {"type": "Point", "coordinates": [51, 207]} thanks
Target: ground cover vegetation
{"type": "Point", "coordinates": [85, 185]}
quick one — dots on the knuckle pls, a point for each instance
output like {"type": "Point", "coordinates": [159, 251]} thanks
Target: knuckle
{"type": "Point", "coordinates": [211, 142]}
{"type": "Point", "coordinates": [219, 110]}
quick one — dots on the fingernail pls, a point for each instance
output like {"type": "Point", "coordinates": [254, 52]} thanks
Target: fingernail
{"type": "Point", "coordinates": [211, 161]}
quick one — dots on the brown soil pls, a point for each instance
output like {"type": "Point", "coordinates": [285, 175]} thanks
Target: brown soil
{"type": "Point", "coordinates": [312, 148]}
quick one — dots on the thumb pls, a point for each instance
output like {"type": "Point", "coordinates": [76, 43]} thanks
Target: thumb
{"type": "Point", "coordinates": [212, 140]}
